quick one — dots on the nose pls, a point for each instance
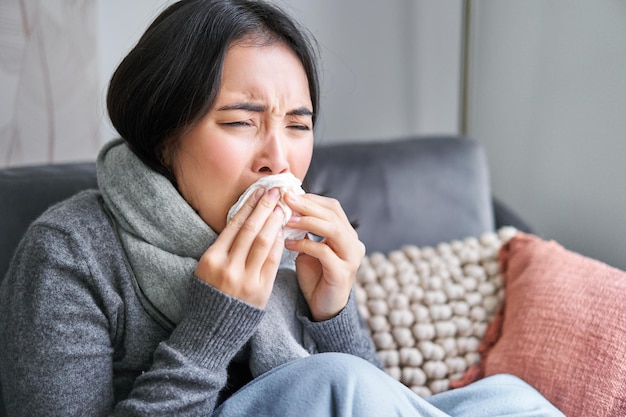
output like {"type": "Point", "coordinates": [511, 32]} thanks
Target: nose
{"type": "Point", "coordinates": [272, 155]}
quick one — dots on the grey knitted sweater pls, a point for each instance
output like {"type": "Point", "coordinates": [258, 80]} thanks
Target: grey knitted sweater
{"type": "Point", "coordinates": [76, 340]}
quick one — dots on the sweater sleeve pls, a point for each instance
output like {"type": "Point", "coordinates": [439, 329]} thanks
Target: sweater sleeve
{"type": "Point", "coordinates": [57, 331]}
{"type": "Point", "coordinates": [346, 333]}
{"type": "Point", "coordinates": [190, 368]}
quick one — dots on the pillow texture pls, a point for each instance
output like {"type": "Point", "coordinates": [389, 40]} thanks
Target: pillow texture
{"type": "Point", "coordinates": [562, 327]}
{"type": "Point", "coordinates": [428, 308]}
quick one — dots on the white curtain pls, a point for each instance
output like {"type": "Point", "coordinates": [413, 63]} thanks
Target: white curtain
{"type": "Point", "coordinates": [49, 81]}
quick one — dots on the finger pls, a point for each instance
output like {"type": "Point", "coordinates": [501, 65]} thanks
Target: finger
{"type": "Point", "coordinates": [348, 249]}
{"type": "Point", "coordinates": [314, 206]}
{"type": "Point", "coordinates": [253, 224]}
{"type": "Point", "coordinates": [324, 216]}
{"type": "Point", "coordinates": [235, 224]}
{"type": "Point", "coordinates": [318, 250]}
{"type": "Point", "coordinates": [311, 204]}
{"type": "Point", "coordinates": [335, 231]}
{"type": "Point", "coordinates": [268, 243]}
{"type": "Point", "coordinates": [272, 261]}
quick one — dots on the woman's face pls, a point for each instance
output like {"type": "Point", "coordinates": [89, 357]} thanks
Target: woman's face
{"type": "Point", "coordinates": [260, 124]}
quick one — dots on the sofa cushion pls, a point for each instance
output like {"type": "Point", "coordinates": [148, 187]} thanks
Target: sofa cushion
{"type": "Point", "coordinates": [562, 327]}
{"type": "Point", "coordinates": [428, 307]}
{"type": "Point", "coordinates": [416, 191]}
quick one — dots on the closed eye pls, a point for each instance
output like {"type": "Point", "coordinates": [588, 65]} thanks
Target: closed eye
{"type": "Point", "coordinates": [238, 124]}
{"type": "Point", "coordinates": [299, 127]}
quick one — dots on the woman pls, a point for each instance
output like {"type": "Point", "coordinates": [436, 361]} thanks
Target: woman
{"type": "Point", "coordinates": [141, 299]}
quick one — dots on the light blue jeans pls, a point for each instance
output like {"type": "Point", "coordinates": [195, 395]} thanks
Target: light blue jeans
{"type": "Point", "coordinates": [340, 385]}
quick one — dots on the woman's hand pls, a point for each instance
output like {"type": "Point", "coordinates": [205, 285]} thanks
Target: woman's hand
{"type": "Point", "coordinates": [245, 257]}
{"type": "Point", "coordinates": [326, 270]}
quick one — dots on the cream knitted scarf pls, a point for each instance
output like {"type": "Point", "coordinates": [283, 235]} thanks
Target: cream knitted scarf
{"type": "Point", "coordinates": [163, 238]}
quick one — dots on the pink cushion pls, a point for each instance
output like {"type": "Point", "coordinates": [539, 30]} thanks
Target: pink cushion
{"type": "Point", "coordinates": [562, 327]}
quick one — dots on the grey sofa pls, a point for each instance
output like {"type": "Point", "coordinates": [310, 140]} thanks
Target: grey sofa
{"type": "Point", "coordinates": [419, 191]}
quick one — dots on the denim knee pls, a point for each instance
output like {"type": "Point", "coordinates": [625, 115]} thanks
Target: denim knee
{"type": "Point", "coordinates": [336, 360]}
{"type": "Point", "coordinates": [340, 367]}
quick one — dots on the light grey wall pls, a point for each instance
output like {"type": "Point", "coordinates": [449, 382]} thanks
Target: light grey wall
{"type": "Point", "coordinates": [389, 68]}
{"type": "Point", "coordinates": [120, 25]}
{"type": "Point", "coordinates": [547, 98]}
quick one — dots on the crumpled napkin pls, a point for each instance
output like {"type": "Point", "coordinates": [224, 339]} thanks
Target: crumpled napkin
{"type": "Point", "coordinates": [284, 182]}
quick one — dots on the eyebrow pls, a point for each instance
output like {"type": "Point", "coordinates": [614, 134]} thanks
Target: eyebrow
{"type": "Point", "coordinates": [259, 108]}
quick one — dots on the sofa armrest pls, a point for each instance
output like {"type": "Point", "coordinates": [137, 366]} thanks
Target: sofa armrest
{"type": "Point", "coordinates": [505, 216]}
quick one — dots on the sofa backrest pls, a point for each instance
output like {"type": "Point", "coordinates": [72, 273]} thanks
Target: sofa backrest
{"type": "Point", "coordinates": [420, 191]}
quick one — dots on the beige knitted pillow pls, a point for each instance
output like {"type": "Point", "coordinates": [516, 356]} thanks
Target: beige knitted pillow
{"type": "Point", "coordinates": [428, 308]}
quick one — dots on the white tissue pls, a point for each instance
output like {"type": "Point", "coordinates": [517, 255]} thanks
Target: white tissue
{"type": "Point", "coordinates": [284, 182]}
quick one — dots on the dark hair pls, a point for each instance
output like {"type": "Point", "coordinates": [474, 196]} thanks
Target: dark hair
{"type": "Point", "coordinates": [171, 78]}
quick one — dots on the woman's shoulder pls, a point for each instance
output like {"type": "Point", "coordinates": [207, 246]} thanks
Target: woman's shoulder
{"type": "Point", "coordinates": [72, 247]}
{"type": "Point", "coordinates": [76, 228]}
{"type": "Point", "coordinates": [80, 210]}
